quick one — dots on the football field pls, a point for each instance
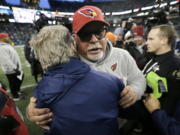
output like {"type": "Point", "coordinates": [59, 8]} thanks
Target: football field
{"type": "Point", "coordinates": [27, 87]}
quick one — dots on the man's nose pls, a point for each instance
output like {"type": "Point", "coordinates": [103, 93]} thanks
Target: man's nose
{"type": "Point", "coordinates": [94, 38]}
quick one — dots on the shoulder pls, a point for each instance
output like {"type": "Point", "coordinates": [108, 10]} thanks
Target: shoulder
{"type": "Point", "coordinates": [47, 83]}
{"type": "Point", "coordinates": [121, 54]}
{"type": "Point", "coordinates": [175, 68]}
{"type": "Point", "coordinates": [175, 74]}
{"type": "Point", "coordinates": [8, 48]}
{"type": "Point", "coordinates": [119, 51]}
{"type": "Point", "coordinates": [107, 77]}
{"type": "Point", "coordinates": [177, 60]}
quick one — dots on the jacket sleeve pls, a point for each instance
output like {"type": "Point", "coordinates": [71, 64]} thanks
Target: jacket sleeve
{"type": "Point", "coordinates": [40, 93]}
{"type": "Point", "coordinates": [169, 125]}
{"type": "Point", "coordinates": [7, 65]}
{"type": "Point", "coordinates": [9, 58]}
{"type": "Point", "coordinates": [135, 77]}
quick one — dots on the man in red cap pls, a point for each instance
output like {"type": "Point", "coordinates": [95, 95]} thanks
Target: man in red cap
{"type": "Point", "coordinates": [11, 65]}
{"type": "Point", "coordinates": [89, 30]}
{"type": "Point", "coordinates": [6, 38]}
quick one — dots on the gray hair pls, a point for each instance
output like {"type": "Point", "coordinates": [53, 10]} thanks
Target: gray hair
{"type": "Point", "coordinates": [53, 45]}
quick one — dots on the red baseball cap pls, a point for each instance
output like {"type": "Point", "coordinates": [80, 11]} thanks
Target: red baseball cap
{"type": "Point", "coordinates": [138, 31]}
{"type": "Point", "coordinates": [4, 35]}
{"type": "Point", "coordinates": [85, 15]}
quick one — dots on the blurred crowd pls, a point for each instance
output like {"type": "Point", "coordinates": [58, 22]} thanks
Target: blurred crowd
{"type": "Point", "coordinates": [19, 32]}
{"type": "Point", "coordinates": [105, 6]}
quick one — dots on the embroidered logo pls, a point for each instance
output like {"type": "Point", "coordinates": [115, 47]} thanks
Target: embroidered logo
{"type": "Point", "coordinates": [113, 67]}
{"type": "Point", "coordinates": [88, 12]}
{"type": "Point", "coordinates": [176, 74]}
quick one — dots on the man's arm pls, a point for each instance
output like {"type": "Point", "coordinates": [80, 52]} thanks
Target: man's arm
{"type": "Point", "coordinates": [167, 124]}
{"type": "Point", "coordinates": [39, 116]}
{"type": "Point", "coordinates": [128, 97]}
{"type": "Point", "coordinates": [136, 83]}
{"type": "Point", "coordinates": [135, 77]}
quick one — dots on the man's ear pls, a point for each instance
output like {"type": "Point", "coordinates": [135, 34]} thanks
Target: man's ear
{"type": "Point", "coordinates": [73, 44]}
{"type": "Point", "coordinates": [164, 40]}
{"type": "Point", "coordinates": [74, 36]}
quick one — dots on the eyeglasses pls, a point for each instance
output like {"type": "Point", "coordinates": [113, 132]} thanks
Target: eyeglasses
{"type": "Point", "coordinates": [86, 36]}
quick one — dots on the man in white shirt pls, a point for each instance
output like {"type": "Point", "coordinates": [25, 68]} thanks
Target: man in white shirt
{"type": "Point", "coordinates": [11, 65]}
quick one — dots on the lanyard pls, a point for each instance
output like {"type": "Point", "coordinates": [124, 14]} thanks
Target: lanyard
{"type": "Point", "coordinates": [150, 68]}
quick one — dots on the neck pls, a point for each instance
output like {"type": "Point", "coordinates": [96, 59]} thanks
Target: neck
{"type": "Point", "coordinates": [163, 50]}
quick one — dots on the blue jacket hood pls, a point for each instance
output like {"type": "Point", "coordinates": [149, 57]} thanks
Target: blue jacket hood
{"type": "Point", "coordinates": [59, 79]}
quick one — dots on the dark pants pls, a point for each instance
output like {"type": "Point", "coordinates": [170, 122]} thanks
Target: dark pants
{"type": "Point", "coordinates": [14, 84]}
{"type": "Point", "coordinates": [36, 69]}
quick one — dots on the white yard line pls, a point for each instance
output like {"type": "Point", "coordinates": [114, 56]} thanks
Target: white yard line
{"type": "Point", "coordinates": [28, 86]}
{"type": "Point", "coordinates": [23, 87]}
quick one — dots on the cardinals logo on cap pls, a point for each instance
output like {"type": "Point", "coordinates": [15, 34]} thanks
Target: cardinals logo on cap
{"type": "Point", "coordinates": [88, 12]}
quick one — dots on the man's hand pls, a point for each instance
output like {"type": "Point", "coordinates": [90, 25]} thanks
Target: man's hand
{"type": "Point", "coordinates": [17, 72]}
{"type": "Point", "coordinates": [39, 116]}
{"type": "Point", "coordinates": [128, 97]}
{"type": "Point", "coordinates": [151, 103]}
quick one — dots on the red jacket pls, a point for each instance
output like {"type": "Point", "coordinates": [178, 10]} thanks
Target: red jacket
{"type": "Point", "coordinates": [10, 108]}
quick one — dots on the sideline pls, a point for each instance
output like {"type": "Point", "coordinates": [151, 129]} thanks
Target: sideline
{"type": "Point", "coordinates": [19, 46]}
{"type": "Point", "coordinates": [22, 87]}
{"type": "Point", "coordinates": [28, 86]}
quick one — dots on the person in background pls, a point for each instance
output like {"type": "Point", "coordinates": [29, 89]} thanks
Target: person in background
{"type": "Point", "coordinates": [163, 78]}
{"type": "Point", "coordinates": [11, 120]}
{"type": "Point", "coordinates": [89, 30]}
{"type": "Point", "coordinates": [119, 32]}
{"type": "Point", "coordinates": [139, 39]}
{"type": "Point", "coordinates": [36, 68]}
{"type": "Point", "coordinates": [162, 74]}
{"type": "Point", "coordinates": [11, 66]}
{"type": "Point", "coordinates": [137, 47]}
{"type": "Point", "coordinates": [168, 124]}
{"type": "Point", "coordinates": [111, 37]}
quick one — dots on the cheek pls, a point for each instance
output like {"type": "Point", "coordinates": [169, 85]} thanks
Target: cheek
{"type": "Point", "coordinates": [103, 44]}
{"type": "Point", "coordinates": [137, 41]}
{"type": "Point", "coordinates": [154, 44]}
{"type": "Point", "coordinates": [82, 48]}
{"type": "Point", "coordinates": [149, 43]}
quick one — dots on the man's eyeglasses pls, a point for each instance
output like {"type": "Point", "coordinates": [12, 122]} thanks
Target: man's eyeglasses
{"type": "Point", "coordinates": [86, 36]}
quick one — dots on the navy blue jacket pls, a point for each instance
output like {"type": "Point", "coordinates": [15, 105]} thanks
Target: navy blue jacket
{"type": "Point", "coordinates": [169, 125]}
{"type": "Point", "coordinates": [83, 101]}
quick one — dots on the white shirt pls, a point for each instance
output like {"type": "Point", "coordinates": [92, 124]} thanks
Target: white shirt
{"type": "Point", "coordinates": [9, 59]}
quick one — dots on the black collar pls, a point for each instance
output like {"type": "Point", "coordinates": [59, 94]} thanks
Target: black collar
{"type": "Point", "coordinates": [163, 57]}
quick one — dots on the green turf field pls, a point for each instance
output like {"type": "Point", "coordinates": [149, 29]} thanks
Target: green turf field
{"type": "Point", "coordinates": [27, 87]}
